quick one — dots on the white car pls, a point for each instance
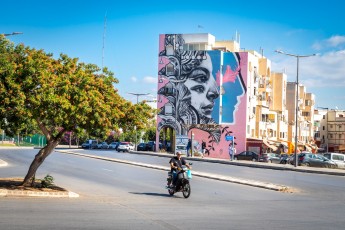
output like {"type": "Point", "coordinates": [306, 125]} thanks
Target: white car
{"type": "Point", "coordinates": [338, 158]}
{"type": "Point", "coordinates": [125, 147]}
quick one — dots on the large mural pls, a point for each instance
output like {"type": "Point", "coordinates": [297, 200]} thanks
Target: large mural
{"type": "Point", "coordinates": [203, 92]}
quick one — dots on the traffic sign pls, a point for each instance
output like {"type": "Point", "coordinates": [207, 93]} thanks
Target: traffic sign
{"type": "Point", "coordinates": [229, 138]}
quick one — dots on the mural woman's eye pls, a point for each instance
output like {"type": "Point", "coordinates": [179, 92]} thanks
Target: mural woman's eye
{"type": "Point", "coordinates": [198, 88]}
{"type": "Point", "coordinates": [200, 78]}
{"type": "Point", "coordinates": [200, 75]}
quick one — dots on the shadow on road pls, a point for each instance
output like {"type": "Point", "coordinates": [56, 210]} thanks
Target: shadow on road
{"type": "Point", "coordinates": [150, 194]}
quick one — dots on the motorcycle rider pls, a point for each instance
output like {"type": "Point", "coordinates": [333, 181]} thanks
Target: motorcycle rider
{"type": "Point", "coordinates": [176, 164]}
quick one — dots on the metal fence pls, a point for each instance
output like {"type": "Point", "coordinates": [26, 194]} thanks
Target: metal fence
{"type": "Point", "coordinates": [32, 140]}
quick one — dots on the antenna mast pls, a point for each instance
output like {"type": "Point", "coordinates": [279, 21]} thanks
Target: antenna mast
{"type": "Point", "coordinates": [104, 29]}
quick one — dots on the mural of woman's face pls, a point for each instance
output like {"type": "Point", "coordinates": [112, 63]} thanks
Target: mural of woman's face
{"type": "Point", "coordinates": [203, 88]}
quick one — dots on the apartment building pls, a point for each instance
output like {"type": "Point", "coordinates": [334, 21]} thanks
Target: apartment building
{"type": "Point", "coordinates": [209, 89]}
{"type": "Point", "coordinates": [330, 130]}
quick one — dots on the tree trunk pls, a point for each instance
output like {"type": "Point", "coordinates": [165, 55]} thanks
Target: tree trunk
{"type": "Point", "coordinates": [39, 158]}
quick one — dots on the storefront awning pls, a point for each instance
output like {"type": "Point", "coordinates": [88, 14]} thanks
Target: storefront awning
{"type": "Point", "coordinates": [273, 147]}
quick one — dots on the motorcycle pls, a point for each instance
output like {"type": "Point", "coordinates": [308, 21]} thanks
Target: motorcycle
{"type": "Point", "coordinates": [182, 182]}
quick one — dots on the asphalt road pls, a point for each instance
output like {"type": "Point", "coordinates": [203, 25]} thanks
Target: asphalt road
{"type": "Point", "coordinates": [120, 196]}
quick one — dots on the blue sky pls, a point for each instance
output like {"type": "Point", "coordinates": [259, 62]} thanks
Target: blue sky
{"type": "Point", "coordinates": [76, 28]}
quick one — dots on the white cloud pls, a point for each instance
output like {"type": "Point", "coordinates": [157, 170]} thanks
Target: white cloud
{"type": "Point", "coordinates": [150, 80]}
{"type": "Point", "coordinates": [323, 75]}
{"type": "Point", "coordinates": [336, 40]}
{"type": "Point", "coordinates": [134, 79]}
{"type": "Point", "coordinates": [327, 70]}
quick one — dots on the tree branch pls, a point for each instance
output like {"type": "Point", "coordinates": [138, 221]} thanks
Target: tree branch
{"type": "Point", "coordinates": [43, 129]}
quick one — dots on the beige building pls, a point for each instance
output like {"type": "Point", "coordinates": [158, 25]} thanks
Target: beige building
{"type": "Point", "coordinates": [305, 116]}
{"type": "Point", "coordinates": [330, 129]}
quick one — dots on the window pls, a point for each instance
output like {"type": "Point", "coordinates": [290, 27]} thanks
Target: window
{"type": "Point", "coordinates": [169, 50]}
{"type": "Point", "coordinates": [169, 91]}
{"type": "Point", "coordinates": [168, 109]}
{"type": "Point", "coordinates": [305, 114]}
{"type": "Point", "coordinates": [170, 69]}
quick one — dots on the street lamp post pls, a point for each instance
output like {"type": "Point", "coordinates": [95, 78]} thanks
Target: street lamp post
{"type": "Point", "coordinates": [13, 33]}
{"type": "Point", "coordinates": [297, 97]}
{"type": "Point", "coordinates": [139, 94]}
{"type": "Point", "coordinates": [135, 129]}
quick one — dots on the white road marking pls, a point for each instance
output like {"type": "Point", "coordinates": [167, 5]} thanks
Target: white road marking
{"type": "Point", "coordinates": [108, 170]}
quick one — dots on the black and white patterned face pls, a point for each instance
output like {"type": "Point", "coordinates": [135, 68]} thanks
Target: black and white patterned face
{"type": "Point", "coordinates": [203, 88]}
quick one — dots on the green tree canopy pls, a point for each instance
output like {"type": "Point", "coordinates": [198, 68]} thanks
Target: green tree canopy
{"type": "Point", "coordinates": [59, 95]}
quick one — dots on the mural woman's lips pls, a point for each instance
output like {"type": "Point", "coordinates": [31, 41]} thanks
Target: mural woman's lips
{"type": "Point", "coordinates": [207, 110]}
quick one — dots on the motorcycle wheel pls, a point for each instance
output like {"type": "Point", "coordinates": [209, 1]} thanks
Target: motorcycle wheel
{"type": "Point", "coordinates": [186, 190]}
{"type": "Point", "coordinates": [171, 192]}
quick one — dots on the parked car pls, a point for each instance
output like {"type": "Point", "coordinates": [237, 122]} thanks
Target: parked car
{"type": "Point", "coordinates": [315, 160]}
{"type": "Point", "coordinates": [103, 145]}
{"type": "Point", "coordinates": [270, 158]}
{"type": "Point", "coordinates": [125, 147]}
{"type": "Point", "coordinates": [151, 146]}
{"type": "Point", "coordinates": [141, 147]}
{"type": "Point", "coordinates": [113, 145]}
{"type": "Point", "coordinates": [284, 159]}
{"type": "Point", "coordinates": [247, 155]}
{"type": "Point", "coordinates": [338, 158]}
{"type": "Point", "coordinates": [89, 144]}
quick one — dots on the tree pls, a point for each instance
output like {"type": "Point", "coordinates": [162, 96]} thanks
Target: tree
{"type": "Point", "coordinates": [56, 96]}
{"type": "Point", "coordinates": [138, 116]}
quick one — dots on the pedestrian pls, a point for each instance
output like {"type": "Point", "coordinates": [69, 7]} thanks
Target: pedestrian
{"type": "Point", "coordinates": [189, 144]}
{"type": "Point", "coordinates": [203, 148]}
{"type": "Point", "coordinates": [232, 151]}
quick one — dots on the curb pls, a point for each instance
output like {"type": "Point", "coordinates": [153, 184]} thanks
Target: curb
{"type": "Point", "coordinates": [21, 193]}
{"type": "Point", "coordinates": [258, 184]}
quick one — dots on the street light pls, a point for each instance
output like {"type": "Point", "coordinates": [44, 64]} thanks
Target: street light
{"type": "Point", "coordinates": [13, 33]}
{"type": "Point", "coordinates": [297, 97]}
{"type": "Point", "coordinates": [139, 94]}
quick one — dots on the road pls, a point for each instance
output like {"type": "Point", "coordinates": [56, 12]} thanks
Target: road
{"type": "Point", "coordinates": [120, 196]}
